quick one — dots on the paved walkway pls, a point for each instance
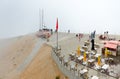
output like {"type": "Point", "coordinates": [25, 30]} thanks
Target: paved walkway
{"type": "Point", "coordinates": [35, 50]}
{"type": "Point", "coordinates": [31, 55]}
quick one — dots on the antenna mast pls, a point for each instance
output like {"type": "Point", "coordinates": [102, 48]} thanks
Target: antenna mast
{"type": "Point", "coordinates": [40, 23]}
{"type": "Point", "coordinates": [42, 18]}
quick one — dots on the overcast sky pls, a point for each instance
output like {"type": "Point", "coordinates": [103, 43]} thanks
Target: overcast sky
{"type": "Point", "coordinates": [18, 17]}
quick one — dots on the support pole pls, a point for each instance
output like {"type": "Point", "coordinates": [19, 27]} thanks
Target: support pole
{"type": "Point", "coordinates": [57, 39]}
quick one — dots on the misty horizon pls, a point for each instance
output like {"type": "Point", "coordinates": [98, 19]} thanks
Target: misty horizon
{"type": "Point", "coordinates": [79, 16]}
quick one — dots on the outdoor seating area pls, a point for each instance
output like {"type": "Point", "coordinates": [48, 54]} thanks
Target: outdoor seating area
{"type": "Point", "coordinates": [84, 60]}
{"type": "Point", "coordinates": [93, 60]}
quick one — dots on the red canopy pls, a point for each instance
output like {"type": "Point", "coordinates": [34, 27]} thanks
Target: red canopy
{"type": "Point", "coordinates": [112, 42]}
{"type": "Point", "coordinates": [111, 46]}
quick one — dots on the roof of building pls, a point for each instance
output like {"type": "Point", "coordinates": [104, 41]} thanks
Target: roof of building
{"type": "Point", "coordinates": [111, 46]}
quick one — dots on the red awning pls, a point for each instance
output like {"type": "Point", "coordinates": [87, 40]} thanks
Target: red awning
{"type": "Point", "coordinates": [112, 42]}
{"type": "Point", "coordinates": [111, 46]}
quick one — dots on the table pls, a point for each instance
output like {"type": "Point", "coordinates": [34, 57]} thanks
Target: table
{"type": "Point", "coordinates": [85, 48]}
{"type": "Point", "coordinates": [87, 52]}
{"type": "Point", "coordinates": [97, 55]}
{"type": "Point", "coordinates": [86, 43]}
{"type": "Point", "coordinates": [92, 53]}
{"type": "Point", "coordinates": [103, 60]}
{"type": "Point", "coordinates": [82, 50]}
{"type": "Point", "coordinates": [95, 77]}
{"type": "Point", "coordinates": [97, 67]}
{"type": "Point", "coordinates": [72, 54]}
{"type": "Point", "coordinates": [91, 60]}
{"type": "Point", "coordinates": [84, 63]}
{"type": "Point", "coordinates": [83, 71]}
{"type": "Point", "coordinates": [97, 45]}
{"type": "Point", "coordinates": [105, 66]}
{"type": "Point", "coordinates": [110, 58]}
{"type": "Point", "coordinates": [72, 67]}
{"type": "Point", "coordinates": [112, 74]}
{"type": "Point", "coordinates": [65, 62]}
{"type": "Point", "coordinates": [111, 61]}
{"type": "Point", "coordinates": [80, 58]}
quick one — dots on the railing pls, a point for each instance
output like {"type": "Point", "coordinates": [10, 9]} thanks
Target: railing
{"type": "Point", "coordinates": [74, 74]}
{"type": "Point", "coordinates": [63, 69]}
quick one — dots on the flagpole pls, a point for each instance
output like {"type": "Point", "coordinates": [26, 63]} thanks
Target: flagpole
{"type": "Point", "coordinates": [57, 32]}
{"type": "Point", "coordinates": [57, 39]}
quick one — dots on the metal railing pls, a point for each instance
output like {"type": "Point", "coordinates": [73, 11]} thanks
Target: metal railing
{"type": "Point", "coordinates": [74, 74]}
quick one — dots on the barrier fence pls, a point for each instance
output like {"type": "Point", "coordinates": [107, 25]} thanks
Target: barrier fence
{"type": "Point", "coordinates": [74, 74]}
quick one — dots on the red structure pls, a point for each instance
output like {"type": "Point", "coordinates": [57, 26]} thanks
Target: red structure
{"type": "Point", "coordinates": [113, 47]}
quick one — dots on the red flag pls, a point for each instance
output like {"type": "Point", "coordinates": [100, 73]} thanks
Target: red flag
{"type": "Point", "coordinates": [57, 25]}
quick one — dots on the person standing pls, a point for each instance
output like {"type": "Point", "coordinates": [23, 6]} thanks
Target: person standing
{"type": "Point", "coordinates": [92, 40]}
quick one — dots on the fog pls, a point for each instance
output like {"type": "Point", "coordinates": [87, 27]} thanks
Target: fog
{"type": "Point", "coordinates": [19, 17]}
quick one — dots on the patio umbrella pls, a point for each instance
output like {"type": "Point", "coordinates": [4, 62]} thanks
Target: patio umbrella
{"type": "Point", "coordinates": [84, 56]}
{"type": "Point", "coordinates": [78, 51]}
{"type": "Point", "coordinates": [99, 60]}
{"type": "Point", "coordinates": [106, 52]}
